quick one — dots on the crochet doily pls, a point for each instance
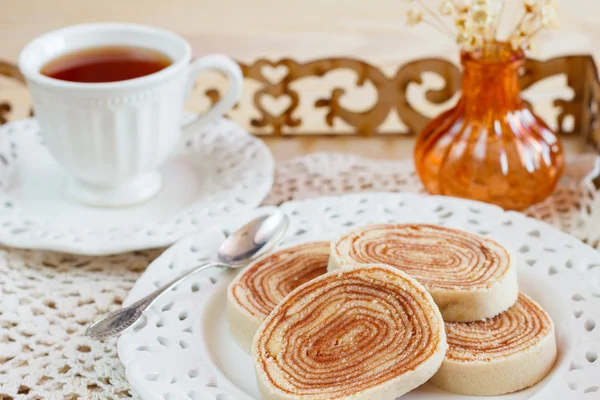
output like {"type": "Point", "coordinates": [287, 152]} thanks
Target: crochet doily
{"type": "Point", "coordinates": [47, 299]}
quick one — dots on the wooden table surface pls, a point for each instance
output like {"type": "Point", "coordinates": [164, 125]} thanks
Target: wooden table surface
{"type": "Point", "coordinates": [247, 30]}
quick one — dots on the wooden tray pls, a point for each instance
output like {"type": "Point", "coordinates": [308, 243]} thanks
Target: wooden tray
{"type": "Point", "coordinates": [310, 96]}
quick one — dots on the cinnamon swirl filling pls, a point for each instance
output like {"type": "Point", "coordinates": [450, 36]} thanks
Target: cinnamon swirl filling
{"type": "Point", "coordinates": [504, 354]}
{"type": "Point", "coordinates": [354, 332]}
{"type": "Point", "coordinates": [470, 277]}
{"type": "Point", "coordinates": [511, 332]}
{"type": "Point", "coordinates": [261, 286]}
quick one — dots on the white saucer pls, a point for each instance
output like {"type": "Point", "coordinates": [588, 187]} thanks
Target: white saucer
{"type": "Point", "coordinates": [182, 348]}
{"type": "Point", "coordinates": [222, 171]}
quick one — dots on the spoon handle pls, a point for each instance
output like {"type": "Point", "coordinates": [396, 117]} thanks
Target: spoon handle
{"type": "Point", "coordinates": [118, 321]}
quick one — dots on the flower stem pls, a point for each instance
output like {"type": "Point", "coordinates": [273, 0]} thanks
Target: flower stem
{"type": "Point", "coordinates": [519, 25]}
{"type": "Point", "coordinates": [437, 28]}
{"type": "Point", "coordinates": [439, 20]}
{"type": "Point", "coordinates": [497, 20]}
{"type": "Point", "coordinates": [533, 34]}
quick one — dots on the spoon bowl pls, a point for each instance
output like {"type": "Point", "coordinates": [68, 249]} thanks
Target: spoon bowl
{"type": "Point", "coordinates": [253, 239]}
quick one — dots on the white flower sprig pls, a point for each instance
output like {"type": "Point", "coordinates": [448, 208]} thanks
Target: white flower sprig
{"type": "Point", "coordinates": [538, 15]}
{"type": "Point", "coordinates": [476, 22]}
{"type": "Point", "coordinates": [415, 15]}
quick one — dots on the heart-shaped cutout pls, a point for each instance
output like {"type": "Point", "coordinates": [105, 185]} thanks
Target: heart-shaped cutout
{"type": "Point", "coordinates": [274, 74]}
{"type": "Point", "coordinates": [276, 105]}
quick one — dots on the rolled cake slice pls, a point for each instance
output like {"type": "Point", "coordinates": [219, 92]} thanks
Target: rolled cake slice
{"type": "Point", "coordinates": [469, 277]}
{"type": "Point", "coordinates": [367, 332]}
{"type": "Point", "coordinates": [509, 352]}
{"type": "Point", "coordinates": [259, 288]}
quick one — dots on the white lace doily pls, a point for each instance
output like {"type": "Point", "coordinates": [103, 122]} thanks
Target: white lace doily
{"type": "Point", "coordinates": [47, 298]}
{"type": "Point", "coordinates": [571, 207]}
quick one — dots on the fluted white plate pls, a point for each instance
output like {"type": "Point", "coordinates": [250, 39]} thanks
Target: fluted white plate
{"type": "Point", "coordinates": [182, 348]}
{"type": "Point", "coordinates": [221, 172]}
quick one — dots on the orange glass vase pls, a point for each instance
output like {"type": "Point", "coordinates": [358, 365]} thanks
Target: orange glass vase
{"type": "Point", "coordinates": [491, 146]}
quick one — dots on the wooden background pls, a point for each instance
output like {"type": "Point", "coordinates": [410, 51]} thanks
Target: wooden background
{"type": "Point", "coordinates": [246, 30]}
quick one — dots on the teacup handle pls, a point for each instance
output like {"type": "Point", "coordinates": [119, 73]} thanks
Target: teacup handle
{"type": "Point", "coordinates": [236, 80]}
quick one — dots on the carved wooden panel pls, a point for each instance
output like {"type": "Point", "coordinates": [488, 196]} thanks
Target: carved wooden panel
{"type": "Point", "coordinates": [391, 95]}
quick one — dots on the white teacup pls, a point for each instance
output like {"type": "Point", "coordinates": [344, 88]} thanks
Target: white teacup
{"type": "Point", "coordinates": [112, 137]}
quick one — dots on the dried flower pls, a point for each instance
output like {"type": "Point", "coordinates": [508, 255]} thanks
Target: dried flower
{"type": "Point", "coordinates": [464, 40]}
{"type": "Point", "coordinates": [481, 17]}
{"type": "Point", "coordinates": [519, 40]}
{"type": "Point", "coordinates": [414, 17]}
{"type": "Point", "coordinates": [446, 7]}
{"type": "Point", "coordinates": [476, 22]}
{"type": "Point", "coordinates": [462, 6]}
{"type": "Point", "coordinates": [550, 15]}
{"type": "Point", "coordinates": [531, 6]}
{"type": "Point", "coordinates": [471, 43]}
{"type": "Point", "coordinates": [516, 42]}
{"type": "Point", "coordinates": [462, 23]}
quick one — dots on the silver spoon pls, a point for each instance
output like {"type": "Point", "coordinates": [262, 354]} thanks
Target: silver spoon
{"type": "Point", "coordinates": [238, 250]}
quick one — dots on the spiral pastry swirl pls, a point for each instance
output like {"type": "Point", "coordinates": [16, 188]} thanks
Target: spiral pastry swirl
{"type": "Point", "coordinates": [509, 352]}
{"type": "Point", "coordinates": [469, 277]}
{"type": "Point", "coordinates": [259, 288]}
{"type": "Point", "coordinates": [366, 332]}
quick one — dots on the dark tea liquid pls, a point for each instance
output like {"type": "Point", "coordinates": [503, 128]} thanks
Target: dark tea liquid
{"type": "Point", "coordinates": [106, 64]}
